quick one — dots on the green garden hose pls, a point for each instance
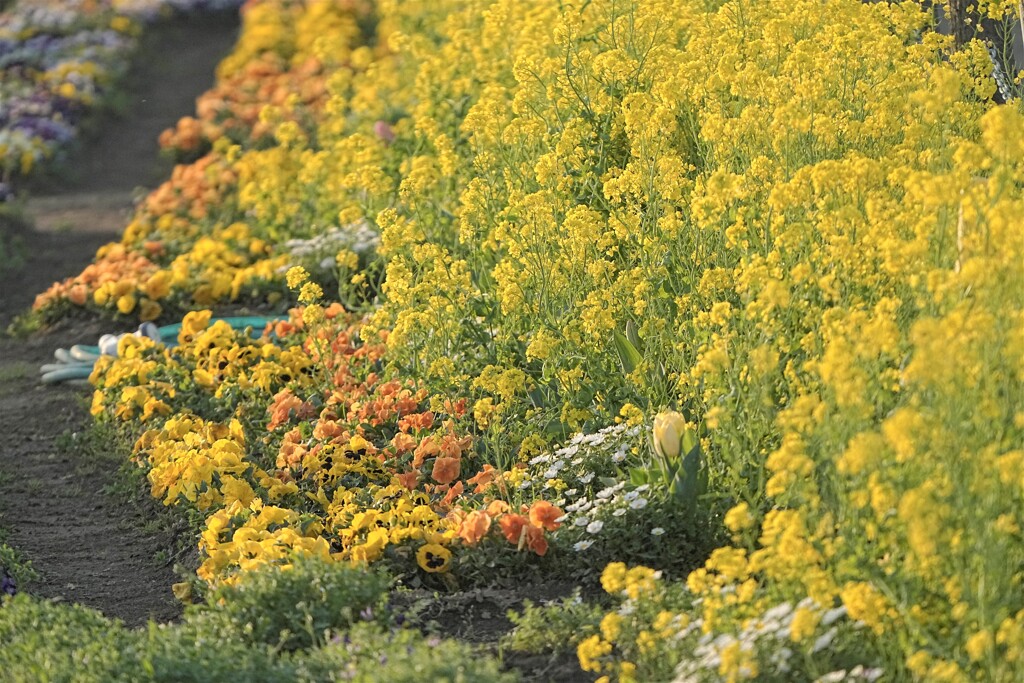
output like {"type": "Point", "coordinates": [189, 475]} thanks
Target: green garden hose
{"type": "Point", "coordinates": [74, 365]}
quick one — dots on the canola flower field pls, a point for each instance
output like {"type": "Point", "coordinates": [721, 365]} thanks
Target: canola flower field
{"type": "Point", "coordinates": [716, 305]}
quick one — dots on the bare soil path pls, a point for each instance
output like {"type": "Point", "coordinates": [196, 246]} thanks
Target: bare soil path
{"type": "Point", "coordinates": [87, 544]}
{"type": "Point", "coordinates": [94, 191]}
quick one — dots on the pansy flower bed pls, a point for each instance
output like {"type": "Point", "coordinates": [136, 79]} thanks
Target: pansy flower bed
{"type": "Point", "coordinates": [719, 306]}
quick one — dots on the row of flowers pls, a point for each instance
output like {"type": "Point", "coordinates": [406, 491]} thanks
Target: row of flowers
{"type": "Point", "coordinates": [795, 222]}
{"type": "Point", "coordinates": [292, 442]}
{"type": "Point", "coordinates": [58, 61]}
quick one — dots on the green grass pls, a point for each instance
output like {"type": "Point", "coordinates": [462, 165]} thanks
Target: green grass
{"type": "Point", "coordinates": [12, 246]}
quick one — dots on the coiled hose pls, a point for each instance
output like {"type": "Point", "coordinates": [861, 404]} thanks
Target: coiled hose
{"type": "Point", "coordinates": [74, 365]}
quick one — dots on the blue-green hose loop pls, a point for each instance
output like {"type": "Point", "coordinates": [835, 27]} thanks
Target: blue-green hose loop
{"type": "Point", "coordinates": [64, 374]}
{"type": "Point", "coordinates": [85, 353]}
{"type": "Point", "coordinates": [256, 322]}
{"type": "Point", "coordinates": [50, 367]}
{"type": "Point", "coordinates": [64, 356]}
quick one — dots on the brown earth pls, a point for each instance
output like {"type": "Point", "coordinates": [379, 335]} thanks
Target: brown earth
{"type": "Point", "coordinates": [88, 544]}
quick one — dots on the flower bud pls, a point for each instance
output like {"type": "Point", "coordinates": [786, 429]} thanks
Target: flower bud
{"type": "Point", "coordinates": [669, 428]}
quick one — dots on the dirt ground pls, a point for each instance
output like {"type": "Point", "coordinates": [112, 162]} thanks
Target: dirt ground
{"type": "Point", "coordinates": [87, 544]}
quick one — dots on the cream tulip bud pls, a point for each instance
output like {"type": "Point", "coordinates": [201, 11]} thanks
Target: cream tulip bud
{"type": "Point", "coordinates": [669, 428]}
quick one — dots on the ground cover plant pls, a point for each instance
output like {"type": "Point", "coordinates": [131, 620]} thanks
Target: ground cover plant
{"type": "Point", "coordinates": [716, 305]}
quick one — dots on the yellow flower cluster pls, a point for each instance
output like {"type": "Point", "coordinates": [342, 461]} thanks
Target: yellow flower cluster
{"type": "Point", "coordinates": [798, 222]}
{"type": "Point", "coordinates": [357, 469]}
{"type": "Point", "coordinates": [810, 217]}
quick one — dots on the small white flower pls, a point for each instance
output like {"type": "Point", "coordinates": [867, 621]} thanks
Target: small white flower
{"type": "Point", "coordinates": [832, 677]}
{"type": "Point", "coordinates": [619, 512]}
{"type": "Point", "coordinates": [582, 521]}
{"type": "Point", "coordinates": [824, 640]}
{"type": "Point", "coordinates": [571, 492]}
{"type": "Point", "coordinates": [582, 545]}
{"type": "Point", "coordinates": [561, 519]}
{"type": "Point", "coordinates": [782, 654]}
{"type": "Point", "coordinates": [778, 612]}
{"type": "Point", "coordinates": [642, 488]}
{"type": "Point", "coordinates": [584, 505]}
{"type": "Point", "coordinates": [657, 531]}
{"type": "Point", "coordinates": [595, 526]}
{"type": "Point", "coordinates": [723, 640]}
{"type": "Point", "coordinates": [587, 478]}
{"type": "Point", "coordinates": [833, 615]}
{"type": "Point", "coordinates": [632, 495]}
{"type": "Point", "coordinates": [605, 494]}
{"type": "Point", "coordinates": [638, 504]}
{"type": "Point", "coordinates": [539, 459]}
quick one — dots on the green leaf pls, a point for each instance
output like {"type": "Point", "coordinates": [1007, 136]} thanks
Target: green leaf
{"type": "Point", "coordinates": [638, 476]}
{"type": "Point", "coordinates": [690, 441]}
{"type": "Point", "coordinates": [628, 355]}
{"type": "Point", "coordinates": [632, 336]}
{"type": "Point", "coordinates": [693, 482]}
{"type": "Point", "coordinates": [554, 427]}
